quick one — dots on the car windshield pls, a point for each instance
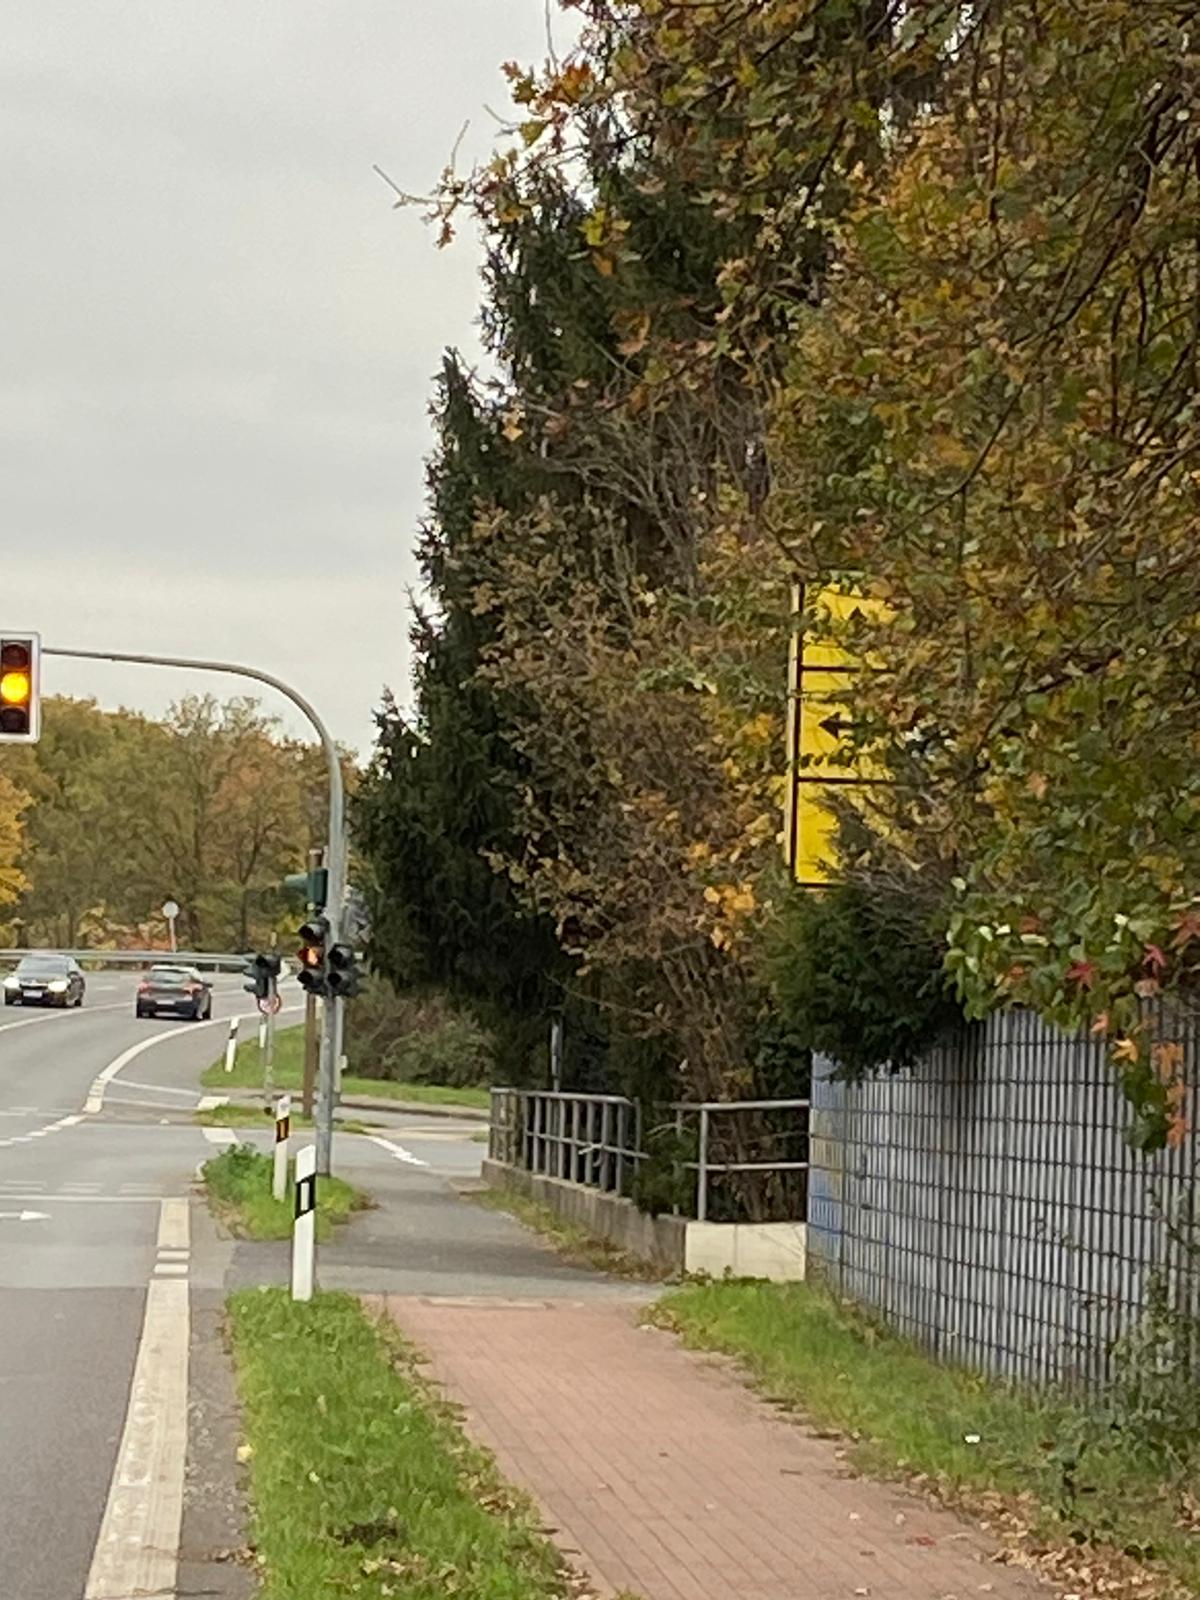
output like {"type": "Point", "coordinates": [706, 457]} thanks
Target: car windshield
{"type": "Point", "coordinates": [43, 967]}
{"type": "Point", "coordinates": [169, 975]}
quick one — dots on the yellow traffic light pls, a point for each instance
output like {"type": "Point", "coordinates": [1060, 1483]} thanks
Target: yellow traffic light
{"type": "Point", "coordinates": [15, 688]}
{"type": "Point", "coordinates": [20, 696]}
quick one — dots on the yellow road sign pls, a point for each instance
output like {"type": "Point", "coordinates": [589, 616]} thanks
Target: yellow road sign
{"type": "Point", "coordinates": [821, 762]}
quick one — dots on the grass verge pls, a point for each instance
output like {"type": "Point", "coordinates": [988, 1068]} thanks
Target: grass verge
{"type": "Point", "coordinates": [235, 1115]}
{"type": "Point", "coordinates": [1051, 1477]}
{"type": "Point", "coordinates": [573, 1243]}
{"type": "Point", "coordinates": [288, 1072]}
{"type": "Point", "coordinates": [238, 1182]}
{"type": "Point", "coordinates": [360, 1480]}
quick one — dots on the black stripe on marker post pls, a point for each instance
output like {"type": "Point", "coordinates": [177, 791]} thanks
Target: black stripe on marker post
{"type": "Point", "coordinates": [306, 1196]}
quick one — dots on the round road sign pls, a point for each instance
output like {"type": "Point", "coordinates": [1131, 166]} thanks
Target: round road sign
{"type": "Point", "coordinates": [270, 1004]}
{"type": "Point", "coordinates": [170, 911]}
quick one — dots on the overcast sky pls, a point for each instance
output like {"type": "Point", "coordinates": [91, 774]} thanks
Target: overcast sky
{"type": "Point", "coordinates": [218, 337]}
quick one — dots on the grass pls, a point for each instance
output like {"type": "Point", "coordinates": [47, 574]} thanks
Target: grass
{"type": "Point", "coordinates": [361, 1482]}
{"type": "Point", "coordinates": [1042, 1469]}
{"type": "Point", "coordinates": [573, 1243]}
{"type": "Point", "coordinates": [238, 1182]}
{"type": "Point", "coordinates": [288, 1071]}
{"type": "Point", "coordinates": [242, 1115]}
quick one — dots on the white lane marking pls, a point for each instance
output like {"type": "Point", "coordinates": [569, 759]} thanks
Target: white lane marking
{"type": "Point", "coordinates": [95, 1099]}
{"type": "Point", "coordinates": [24, 1216]}
{"type": "Point", "coordinates": [209, 1102]}
{"type": "Point", "coordinates": [398, 1150]}
{"type": "Point", "coordinates": [137, 1551]}
{"type": "Point", "coordinates": [170, 1269]}
{"type": "Point", "coordinates": [219, 1135]}
{"type": "Point", "coordinates": [157, 1088]}
{"type": "Point", "coordinates": [51, 1015]}
{"type": "Point", "coordinates": [173, 1231]}
{"type": "Point", "coordinates": [90, 1199]}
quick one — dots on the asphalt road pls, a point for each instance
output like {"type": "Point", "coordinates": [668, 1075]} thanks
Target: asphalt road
{"type": "Point", "coordinates": [80, 1200]}
{"type": "Point", "coordinates": [81, 1197]}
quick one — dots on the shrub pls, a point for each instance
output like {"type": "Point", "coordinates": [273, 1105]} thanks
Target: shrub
{"type": "Point", "coordinates": [858, 977]}
{"type": "Point", "coordinates": [416, 1037]}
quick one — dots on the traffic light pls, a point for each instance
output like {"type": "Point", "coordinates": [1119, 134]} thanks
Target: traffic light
{"type": "Point", "coordinates": [20, 688]}
{"type": "Point", "coordinates": [342, 978]}
{"type": "Point", "coordinates": [262, 971]}
{"type": "Point", "coordinates": [312, 887]}
{"type": "Point", "coordinates": [311, 955]}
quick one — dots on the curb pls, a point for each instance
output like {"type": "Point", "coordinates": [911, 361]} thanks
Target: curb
{"type": "Point", "coordinates": [372, 1102]}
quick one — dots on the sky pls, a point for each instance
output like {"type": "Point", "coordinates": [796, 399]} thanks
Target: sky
{"type": "Point", "coordinates": [219, 336]}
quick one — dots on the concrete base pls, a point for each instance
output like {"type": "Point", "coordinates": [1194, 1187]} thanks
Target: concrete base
{"type": "Point", "coordinates": [773, 1250]}
{"type": "Point", "coordinates": [660, 1240]}
{"type": "Point", "coordinates": [776, 1251]}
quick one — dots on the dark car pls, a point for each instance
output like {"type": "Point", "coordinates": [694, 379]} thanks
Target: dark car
{"type": "Point", "coordinates": [45, 980]}
{"type": "Point", "coordinates": [174, 991]}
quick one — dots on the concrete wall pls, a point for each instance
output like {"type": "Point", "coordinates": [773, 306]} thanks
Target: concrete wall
{"type": "Point", "coordinates": [773, 1250]}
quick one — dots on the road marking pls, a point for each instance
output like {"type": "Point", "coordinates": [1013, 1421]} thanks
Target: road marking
{"type": "Point", "coordinates": [95, 1099]}
{"type": "Point", "coordinates": [24, 1216]}
{"type": "Point", "coordinates": [209, 1102]}
{"type": "Point", "coordinates": [398, 1150]}
{"type": "Point", "coordinates": [170, 1269]}
{"type": "Point", "coordinates": [91, 1199]}
{"type": "Point", "coordinates": [51, 1015]}
{"type": "Point", "coordinates": [157, 1088]}
{"type": "Point", "coordinates": [221, 1136]}
{"type": "Point", "coordinates": [173, 1226]}
{"type": "Point", "coordinates": [137, 1552]}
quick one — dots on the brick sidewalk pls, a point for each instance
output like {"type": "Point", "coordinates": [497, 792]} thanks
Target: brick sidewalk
{"type": "Point", "coordinates": [660, 1474]}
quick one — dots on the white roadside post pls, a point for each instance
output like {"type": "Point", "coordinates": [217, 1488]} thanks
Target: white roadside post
{"type": "Point", "coordinates": [283, 1129]}
{"type": "Point", "coordinates": [304, 1228]}
{"type": "Point", "coordinates": [231, 1044]}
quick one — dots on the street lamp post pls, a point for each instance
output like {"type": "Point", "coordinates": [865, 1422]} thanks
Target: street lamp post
{"type": "Point", "coordinates": [332, 1016]}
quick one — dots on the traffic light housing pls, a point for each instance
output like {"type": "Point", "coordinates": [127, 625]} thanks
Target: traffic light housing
{"type": "Point", "coordinates": [20, 688]}
{"type": "Point", "coordinates": [312, 957]}
{"type": "Point", "coordinates": [342, 976]}
{"type": "Point", "coordinates": [263, 971]}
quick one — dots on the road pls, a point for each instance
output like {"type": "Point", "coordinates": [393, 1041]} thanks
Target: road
{"type": "Point", "coordinates": [86, 1228]}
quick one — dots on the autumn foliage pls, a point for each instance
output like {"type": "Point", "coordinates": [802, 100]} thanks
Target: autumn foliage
{"type": "Point", "coordinates": [830, 289]}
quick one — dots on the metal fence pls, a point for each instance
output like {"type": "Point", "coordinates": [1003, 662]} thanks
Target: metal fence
{"type": "Point", "coordinates": [219, 961]}
{"type": "Point", "coordinates": [601, 1141]}
{"type": "Point", "coordinates": [988, 1204]}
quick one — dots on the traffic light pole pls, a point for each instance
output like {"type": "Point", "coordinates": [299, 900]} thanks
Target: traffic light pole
{"type": "Point", "coordinates": [335, 860]}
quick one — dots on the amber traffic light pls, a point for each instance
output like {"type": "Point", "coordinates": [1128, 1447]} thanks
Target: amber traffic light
{"type": "Point", "coordinates": [20, 697]}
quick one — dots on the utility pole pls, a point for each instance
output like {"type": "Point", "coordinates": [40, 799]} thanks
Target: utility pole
{"type": "Point", "coordinates": [269, 1042]}
{"type": "Point", "coordinates": [331, 1021]}
{"type": "Point", "coordinates": [312, 1042]}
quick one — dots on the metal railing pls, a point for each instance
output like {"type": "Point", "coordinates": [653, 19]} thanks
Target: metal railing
{"type": "Point", "coordinates": [219, 961]}
{"type": "Point", "coordinates": [601, 1141]}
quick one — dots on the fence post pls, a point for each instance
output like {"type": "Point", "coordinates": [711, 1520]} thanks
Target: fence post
{"type": "Point", "coordinates": [574, 1141]}
{"type": "Point", "coordinates": [605, 1144]}
{"type": "Point", "coordinates": [702, 1169]}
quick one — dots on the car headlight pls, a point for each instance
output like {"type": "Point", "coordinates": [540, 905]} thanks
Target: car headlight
{"type": "Point", "coordinates": [58, 986]}
{"type": "Point", "coordinates": [12, 983]}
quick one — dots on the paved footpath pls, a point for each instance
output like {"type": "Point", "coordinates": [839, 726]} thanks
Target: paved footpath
{"type": "Point", "coordinates": [662, 1475]}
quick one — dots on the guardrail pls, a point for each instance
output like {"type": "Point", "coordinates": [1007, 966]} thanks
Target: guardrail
{"type": "Point", "coordinates": [601, 1141]}
{"type": "Point", "coordinates": [219, 961]}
